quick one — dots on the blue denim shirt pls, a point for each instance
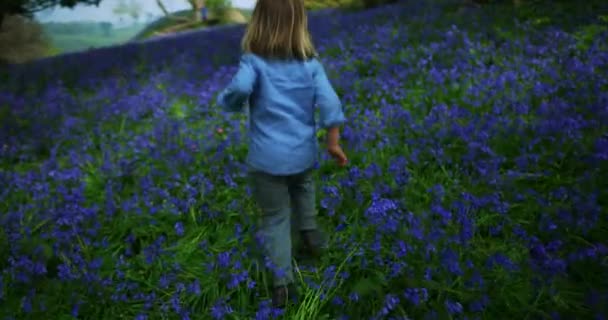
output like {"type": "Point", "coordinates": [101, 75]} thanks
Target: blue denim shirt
{"type": "Point", "coordinates": [282, 96]}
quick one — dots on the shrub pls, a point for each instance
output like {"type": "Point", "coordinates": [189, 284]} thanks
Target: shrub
{"type": "Point", "coordinates": [22, 40]}
{"type": "Point", "coordinates": [218, 7]}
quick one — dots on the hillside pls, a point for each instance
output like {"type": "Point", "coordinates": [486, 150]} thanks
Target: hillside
{"type": "Point", "coordinates": [173, 23]}
{"type": "Point", "coordinates": [80, 36]}
{"type": "Point", "coordinates": [74, 37]}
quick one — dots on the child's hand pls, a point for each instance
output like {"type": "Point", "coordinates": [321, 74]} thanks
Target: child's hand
{"type": "Point", "coordinates": [336, 152]}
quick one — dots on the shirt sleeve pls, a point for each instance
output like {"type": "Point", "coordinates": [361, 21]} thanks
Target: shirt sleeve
{"type": "Point", "coordinates": [326, 99]}
{"type": "Point", "coordinates": [234, 96]}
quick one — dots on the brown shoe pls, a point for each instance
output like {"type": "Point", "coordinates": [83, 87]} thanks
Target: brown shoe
{"type": "Point", "coordinates": [281, 295]}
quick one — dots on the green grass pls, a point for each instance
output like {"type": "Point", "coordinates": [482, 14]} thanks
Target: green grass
{"type": "Point", "coordinates": [83, 41]}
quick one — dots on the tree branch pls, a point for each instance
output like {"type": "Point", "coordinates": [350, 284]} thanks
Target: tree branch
{"type": "Point", "coordinates": [28, 7]}
{"type": "Point", "coordinates": [162, 7]}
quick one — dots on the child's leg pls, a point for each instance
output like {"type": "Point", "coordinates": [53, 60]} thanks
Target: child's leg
{"type": "Point", "coordinates": [303, 200]}
{"type": "Point", "coordinates": [272, 196]}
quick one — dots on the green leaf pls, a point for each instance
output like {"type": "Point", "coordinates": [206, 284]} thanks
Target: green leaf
{"type": "Point", "coordinates": [368, 286]}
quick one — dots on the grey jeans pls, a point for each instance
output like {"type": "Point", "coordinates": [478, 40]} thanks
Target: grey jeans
{"type": "Point", "coordinates": [286, 202]}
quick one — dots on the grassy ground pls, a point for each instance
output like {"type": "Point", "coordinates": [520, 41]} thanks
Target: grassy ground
{"type": "Point", "coordinates": [88, 39]}
{"type": "Point", "coordinates": [476, 186]}
{"type": "Point", "coordinates": [84, 41]}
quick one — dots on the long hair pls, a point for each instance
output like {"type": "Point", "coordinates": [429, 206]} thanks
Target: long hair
{"type": "Point", "coordinates": [279, 29]}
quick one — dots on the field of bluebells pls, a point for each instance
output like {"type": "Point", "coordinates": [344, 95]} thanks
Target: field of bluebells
{"type": "Point", "coordinates": [477, 188]}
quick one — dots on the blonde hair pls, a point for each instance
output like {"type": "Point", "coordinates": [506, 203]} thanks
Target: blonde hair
{"type": "Point", "coordinates": [279, 29]}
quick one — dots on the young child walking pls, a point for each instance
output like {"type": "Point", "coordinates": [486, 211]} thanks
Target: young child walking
{"type": "Point", "coordinates": [283, 81]}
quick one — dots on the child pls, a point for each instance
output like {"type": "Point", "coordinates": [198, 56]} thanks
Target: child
{"type": "Point", "coordinates": [283, 81]}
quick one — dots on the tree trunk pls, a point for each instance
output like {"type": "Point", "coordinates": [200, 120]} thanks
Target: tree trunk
{"type": "Point", "coordinates": [194, 4]}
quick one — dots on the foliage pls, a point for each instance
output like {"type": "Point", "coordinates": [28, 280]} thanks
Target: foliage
{"type": "Point", "coordinates": [476, 187]}
{"type": "Point", "coordinates": [587, 35]}
{"type": "Point", "coordinates": [131, 8]}
{"type": "Point", "coordinates": [218, 4]}
{"type": "Point", "coordinates": [22, 40]}
{"type": "Point", "coordinates": [219, 7]}
{"type": "Point", "coordinates": [28, 7]}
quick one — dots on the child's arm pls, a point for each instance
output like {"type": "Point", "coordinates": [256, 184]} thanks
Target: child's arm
{"type": "Point", "coordinates": [331, 113]}
{"type": "Point", "coordinates": [326, 99]}
{"type": "Point", "coordinates": [234, 96]}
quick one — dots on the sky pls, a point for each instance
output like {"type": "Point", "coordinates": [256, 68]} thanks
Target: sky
{"type": "Point", "coordinates": [104, 11]}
